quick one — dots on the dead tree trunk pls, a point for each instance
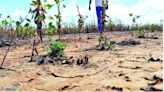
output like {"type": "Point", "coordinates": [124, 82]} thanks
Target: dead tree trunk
{"type": "Point", "coordinates": [39, 31]}
{"type": "Point", "coordinates": [6, 54]}
{"type": "Point", "coordinates": [34, 50]}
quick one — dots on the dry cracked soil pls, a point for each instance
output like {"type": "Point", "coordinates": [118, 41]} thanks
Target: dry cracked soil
{"type": "Point", "coordinates": [122, 68]}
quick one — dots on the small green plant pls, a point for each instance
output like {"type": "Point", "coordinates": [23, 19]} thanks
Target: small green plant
{"type": "Point", "coordinates": [141, 33]}
{"type": "Point", "coordinates": [105, 44]}
{"type": "Point", "coordinates": [55, 48]}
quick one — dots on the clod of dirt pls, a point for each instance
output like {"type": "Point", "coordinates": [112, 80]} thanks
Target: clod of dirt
{"type": "Point", "coordinates": [66, 62]}
{"type": "Point", "coordinates": [121, 62]}
{"type": "Point", "coordinates": [50, 61]}
{"type": "Point", "coordinates": [98, 90]}
{"type": "Point", "coordinates": [121, 74]}
{"type": "Point", "coordinates": [82, 61]}
{"type": "Point", "coordinates": [129, 42]}
{"type": "Point", "coordinates": [154, 78]}
{"type": "Point", "coordinates": [154, 59]}
{"type": "Point", "coordinates": [90, 37]}
{"type": "Point", "coordinates": [40, 61]}
{"type": "Point", "coordinates": [154, 82]}
{"type": "Point", "coordinates": [63, 88]}
{"type": "Point", "coordinates": [105, 45]}
{"type": "Point", "coordinates": [146, 78]}
{"type": "Point", "coordinates": [136, 67]}
{"type": "Point", "coordinates": [100, 47]}
{"type": "Point", "coordinates": [127, 79]}
{"type": "Point", "coordinates": [117, 88]}
{"type": "Point", "coordinates": [114, 88]}
{"type": "Point", "coordinates": [154, 37]}
{"type": "Point", "coordinates": [141, 37]}
{"type": "Point", "coordinates": [1, 68]}
{"type": "Point", "coordinates": [141, 58]}
{"type": "Point", "coordinates": [4, 43]}
{"type": "Point", "coordinates": [30, 80]}
{"type": "Point", "coordinates": [157, 78]}
{"type": "Point", "coordinates": [150, 88]}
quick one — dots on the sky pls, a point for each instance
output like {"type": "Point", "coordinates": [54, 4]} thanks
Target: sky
{"type": "Point", "coordinates": [151, 11]}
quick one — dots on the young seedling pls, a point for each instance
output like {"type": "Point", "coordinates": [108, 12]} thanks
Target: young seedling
{"type": "Point", "coordinates": [134, 21]}
{"type": "Point", "coordinates": [38, 14]}
{"type": "Point", "coordinates": [58, 16]}
{"type": "Point", "coordinates": [80, 21]}
{"type": "Point", "coordinates": [53, 52]}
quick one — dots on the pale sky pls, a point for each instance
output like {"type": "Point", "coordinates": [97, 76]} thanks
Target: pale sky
{"type": "Point", "coordinates": [151, 11]}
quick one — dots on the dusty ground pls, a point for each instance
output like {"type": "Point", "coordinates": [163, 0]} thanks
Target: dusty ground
{"type": "Point", "coordinates": [123, 68]}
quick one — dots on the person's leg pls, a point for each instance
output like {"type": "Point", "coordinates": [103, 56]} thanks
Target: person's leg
{"type": "Point", "coordinates": [98, 12]}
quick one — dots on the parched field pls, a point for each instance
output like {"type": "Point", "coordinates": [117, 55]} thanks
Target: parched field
{"type": "Point", "coordinates": [123, 68]}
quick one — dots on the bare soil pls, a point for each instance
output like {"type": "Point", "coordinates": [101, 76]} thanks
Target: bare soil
{"type": "Point", "coordinates": [122, 68]}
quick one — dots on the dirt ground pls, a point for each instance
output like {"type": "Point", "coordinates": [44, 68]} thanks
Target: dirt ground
{"type": "Point", "coordinates": [124, 68]}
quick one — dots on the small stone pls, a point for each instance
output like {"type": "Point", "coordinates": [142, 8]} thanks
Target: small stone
{"type": "Point", "coordinates": [154, 58]}
{"type": "Point", "coordinates": [117, 88]}
{"type": "Point", "coordinates": [129, 42]}
{"type": "Point", "coordinates": [40, 61]}
{"type": "Point", "coordinates": [64, 62]}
